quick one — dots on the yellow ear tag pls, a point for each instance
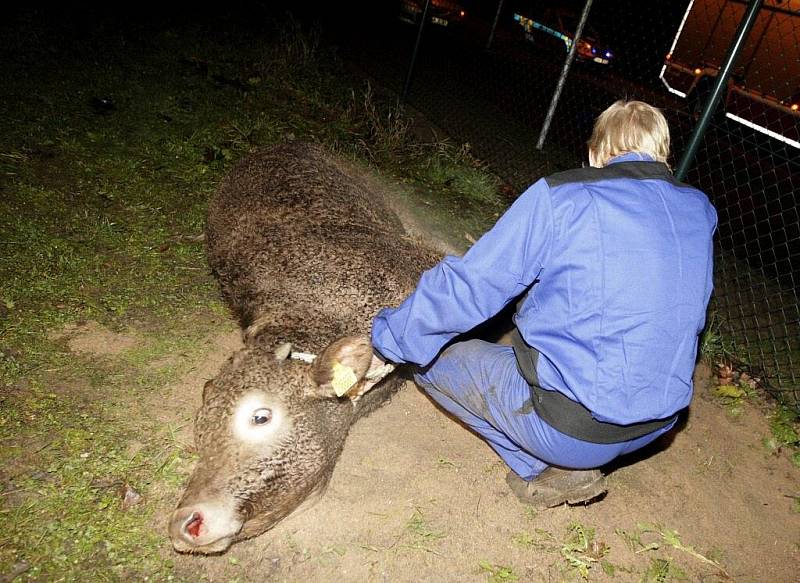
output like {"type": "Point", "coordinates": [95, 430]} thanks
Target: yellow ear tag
{"type": "Point", "coordinates": [344, 378]}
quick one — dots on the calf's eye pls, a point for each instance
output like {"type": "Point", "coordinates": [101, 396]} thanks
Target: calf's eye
{"type": "Point", "coordinates": [261, 416]}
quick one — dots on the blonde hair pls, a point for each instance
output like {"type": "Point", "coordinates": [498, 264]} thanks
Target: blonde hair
{"type": "Point", "coordinates": [629, 126]}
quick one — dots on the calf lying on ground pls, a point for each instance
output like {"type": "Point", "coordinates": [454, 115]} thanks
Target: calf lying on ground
{"type": "Point", "coordinates": [305, 254]}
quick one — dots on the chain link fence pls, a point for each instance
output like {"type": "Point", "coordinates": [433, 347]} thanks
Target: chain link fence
{"type": "Point", "coordinates": [486, 73]}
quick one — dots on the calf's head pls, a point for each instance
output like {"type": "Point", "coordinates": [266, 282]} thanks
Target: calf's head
{"type": "Point", "coordinates": [268, 435]}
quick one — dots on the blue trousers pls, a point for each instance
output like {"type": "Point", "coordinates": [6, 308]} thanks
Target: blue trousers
{"type": "Point", "coordinates": [478, 382]}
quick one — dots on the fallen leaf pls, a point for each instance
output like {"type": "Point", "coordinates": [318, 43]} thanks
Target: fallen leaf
{"type": "Point", "coordinates": [729, 391]}
{"type": "Point", "coordinates": [130, 497]}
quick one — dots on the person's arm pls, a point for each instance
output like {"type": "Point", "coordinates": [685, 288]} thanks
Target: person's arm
{"type": "Point", "coordinates": [462, 292]}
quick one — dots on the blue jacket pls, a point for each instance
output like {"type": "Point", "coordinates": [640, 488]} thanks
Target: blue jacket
{"type": "Point", "coordinates": [618, 261]}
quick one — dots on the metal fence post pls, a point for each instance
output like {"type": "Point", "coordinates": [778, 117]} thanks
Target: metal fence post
{"type": "Point", "coordinates": [746, 24]}
{"type": "Point", "coordinates": [423, 20]}
{"type": "Point", "coordinates": [494, 25]}
{"type": "Point", "coordinates": [563, 78]}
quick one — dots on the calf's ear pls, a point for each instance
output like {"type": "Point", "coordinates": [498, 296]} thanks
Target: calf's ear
{"type": "Point", "coordinates": [348, 368]}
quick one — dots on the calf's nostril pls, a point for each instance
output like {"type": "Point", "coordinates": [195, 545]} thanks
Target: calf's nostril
{"type": "Point", "coordinates": [193, 524]}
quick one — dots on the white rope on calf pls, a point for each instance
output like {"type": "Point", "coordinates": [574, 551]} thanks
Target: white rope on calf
{"type": "Point", "coordinates": [380, 372]}
{"type": "Point", "coordinates": [284, 351]}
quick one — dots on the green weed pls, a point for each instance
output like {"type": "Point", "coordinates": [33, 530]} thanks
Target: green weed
{"type": "Point", "coordinates": [784, 433]}
{"type": "Point", "coordinates": [642, 540]}
{"type": "Point", "coordinates": [460, 184]}
{"type": "Point", "coordinates": [381, 129]}
{"type": "Point", "coordinates": [714, 346]}
{"type": "Point", "coordinates": [663, 571]}
{"type": "Point", "coordinates": [633, 539]}
{"type": "Point", "coordinates": [298, 45]}
{"type": "Point", "coordinates": [531, 512]}
{"type": "Point", "coordinates": [453, 170]}
{"type": "Point", "coordinates": [540, 539]}
{"type": "Point", "coordinates": [498, 573]}
{"type": "Point", "coordinates": [580, 550]}
{"type": "Point", "coordinates": [784, 428]}
{"type": "Point", "coordinates": [422, 535]}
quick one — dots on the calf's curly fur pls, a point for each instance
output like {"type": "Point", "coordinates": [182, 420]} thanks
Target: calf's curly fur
{"type": "Point", "coordinates": [304, 253]}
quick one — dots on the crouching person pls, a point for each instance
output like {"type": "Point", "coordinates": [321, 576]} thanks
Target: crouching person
{"type": "Point", "coordinates": [611, 266]}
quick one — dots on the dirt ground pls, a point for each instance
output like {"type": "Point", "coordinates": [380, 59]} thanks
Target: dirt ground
{"type": "Point", "coordinates": [417, 497]}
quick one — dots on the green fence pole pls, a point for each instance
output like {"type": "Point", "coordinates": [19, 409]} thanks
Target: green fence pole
{"type": "Point", "coordinates": [721, 82]}
{"type": "Point", "coordinates": [563, 78]}
{"type": "Point", "coordinates": [494, 25]}
{"type": "Point", "coordinates": [407, 84]}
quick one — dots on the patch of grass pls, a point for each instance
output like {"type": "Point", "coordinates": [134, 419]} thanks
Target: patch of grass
{"type": "Point", "coordinates": [446, 177]}
{"type": "Point", "coordinates": [770, 355]}
{"type": "Point", "coordinates": [75, 437]}
{"type": "Point", "coordinates": [531, 513]}
{"type": "Point", "coordinates": [540, 539]}
{"type": "Point", "coordinates": [633, 539]}
{"type": "Point", "coordinates": [642, 540]}
{"type": "Point", "coordinates": [301, 554]}
{"type": "Point", "coordinates": [663, 571]}
{"type": "Point", "coordinates": [783, 425]}
{"type": "Point", "coordinates": [105, 172]}
{"type": "Point", "coordinates": [101, 255]}
{"type": "Point", "coordinates": [784, 433]}
{"type": "Point", "coordinates": [737, 387]}
{"type": "Point", "coordinates": [580, 550]}
{"type": "Point", "coordinates": [714, 346]}
{"type": "Point", "coordinates": [524, 539]}
{"type": "Point", "coordinates": [62, 507]}
{"type": "Point", "coordinates": [498, 573]}
{"type": "Point", "coordinates": [453, 171]}
{"type": "Point", "coordinates": [422, 536]}
{"type": "Point", "coordinates": [381, 128]}
{"type": "Point", "coordinates": [162, 356]}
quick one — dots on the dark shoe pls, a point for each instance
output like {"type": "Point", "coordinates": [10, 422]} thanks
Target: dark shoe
{"type": "Point", "coordinates": [555, 486]}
